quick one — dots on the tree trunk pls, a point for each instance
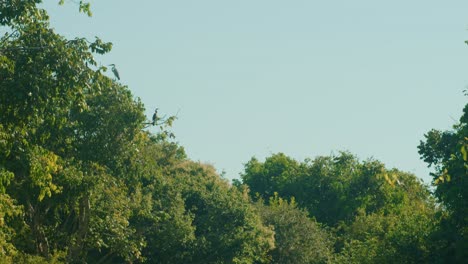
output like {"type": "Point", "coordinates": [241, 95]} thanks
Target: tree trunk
{"type": "Point", "coordinates": [42, 245]}
{"type": "Point", "coordinates": [76, 251]}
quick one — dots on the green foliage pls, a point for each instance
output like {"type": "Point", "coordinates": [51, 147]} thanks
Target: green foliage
{"type": "Point", "coordinates": [43, 164]}
{"type": "Point", "coordinates": [227, 228]}
{"type": "Point", "coordinates": [5, 178]}
{"type": "Point", "coordinates": [446, 152]}
{"type": "Point", "coordinates": [64, 132]}
{"type": "Point", "coordinates": [402, 237]}
{"type": "Point", "coordinates": [335, 188]}
{"type": "Point", "coordinates": [9, 211]}
{"type": "Point", "coordinates": [298, 238]}
{"type": "Point", "coordinates": [110, 237]}
{"type": "Point", "coordinates": [81, 181]}
{"type": "Point", "coordinates": [377, 215]}
{"type": "Point", "coordinates": [276, 174]}
{"type": "Point", "coordinates": [159, 214]}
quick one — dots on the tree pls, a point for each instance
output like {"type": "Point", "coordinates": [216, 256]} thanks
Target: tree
{"type": "Point", "coordinates": [227, 227]}
{"type": "Point", "coordinates": [334, 188]}
{"type": "Point", "coordinates": [298, 238]}
{"type": "Point", "coordinates": [276, 174]}
{"type": "Point", "coordinates": [376, 215]}
{"type": "Point", "coordinates": [403, 236]}
{"type": "Point", "coordinates": [67, 130]}
{"type": "Point", "coordinates": [184, 212]}
{"type": "Point", "coordinates": [447, 152]}
{"type": "Point", "coordinates": [80, 179]}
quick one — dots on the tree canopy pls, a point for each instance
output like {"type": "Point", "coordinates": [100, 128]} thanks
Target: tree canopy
{"type": "Point", "coordinates": [447, 152]}
{"type": "Point", "coordinates": [83, 181]}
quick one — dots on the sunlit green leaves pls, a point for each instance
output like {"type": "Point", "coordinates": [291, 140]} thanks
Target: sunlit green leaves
{"type": "Point", "coordinates": [227, 229]}
{"type": "Point", "coordinates": [8, 212]}
{"type": "Point", "coordinates": [43, 165]}
{"type": "Point", "coordinates": [298, 238]}
{"type": "Point", "coordinates": [100, 47]}
{"type": "Point", "coordinates": [446, 151]}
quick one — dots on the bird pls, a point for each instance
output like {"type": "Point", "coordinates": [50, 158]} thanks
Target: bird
{"type": "Point", "coordinates": [398, 182]}
{"type": "Point", "coordinates": [155, 116]}
{"type": "Point", "coordinates": [114, 70]}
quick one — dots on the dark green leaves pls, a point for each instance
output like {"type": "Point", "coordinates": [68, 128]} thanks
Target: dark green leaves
{"type": "Point", "coordinates": [100, 47]}
{"type": "Point", "coordinates": [446, 151]}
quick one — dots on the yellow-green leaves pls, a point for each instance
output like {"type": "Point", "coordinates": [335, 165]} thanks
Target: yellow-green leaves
{"type": "Point", "coordinates": [43, 166]}
{"type": "Point", "coordinates": [392, 179]}
{"type": "Point", "coordinates": [444, 177]}
{"type": "Point", "coordinates": [84, 7]}
{"type": "Point", "coordinates": [464, 149]}
{"type": "Point", "coordinates": [5, 177]}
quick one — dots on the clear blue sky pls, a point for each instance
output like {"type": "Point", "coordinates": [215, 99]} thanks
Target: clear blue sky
{"type": "Point", "coordinates": [307, 78]}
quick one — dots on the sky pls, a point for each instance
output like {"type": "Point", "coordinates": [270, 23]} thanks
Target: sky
{"type": "Point", "coordinates": [250, 78]}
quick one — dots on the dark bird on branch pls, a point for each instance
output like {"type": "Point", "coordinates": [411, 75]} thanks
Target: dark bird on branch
{"type": "Point", "coordinates": [155, 116]}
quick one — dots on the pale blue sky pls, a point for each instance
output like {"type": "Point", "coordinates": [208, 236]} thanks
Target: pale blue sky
{"type": "Point", "coordinates": [306, 78]}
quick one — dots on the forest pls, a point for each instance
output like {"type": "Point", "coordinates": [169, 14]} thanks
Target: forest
{"type": "Point", "coordinates": [82, 180]}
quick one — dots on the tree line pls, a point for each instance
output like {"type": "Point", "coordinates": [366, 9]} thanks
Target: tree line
{"type": "Point", "coordinates": [83, 181]}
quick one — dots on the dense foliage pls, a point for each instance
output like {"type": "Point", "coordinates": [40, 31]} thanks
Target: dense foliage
{"type": "Point", "coordinates": [447, 151]}
{"type": "Point", "coordinates": [83, 181]}
{"type": "Point", "coordinates": [376, 214]}
{"type": "Point", "coordinates": [298, 238]}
